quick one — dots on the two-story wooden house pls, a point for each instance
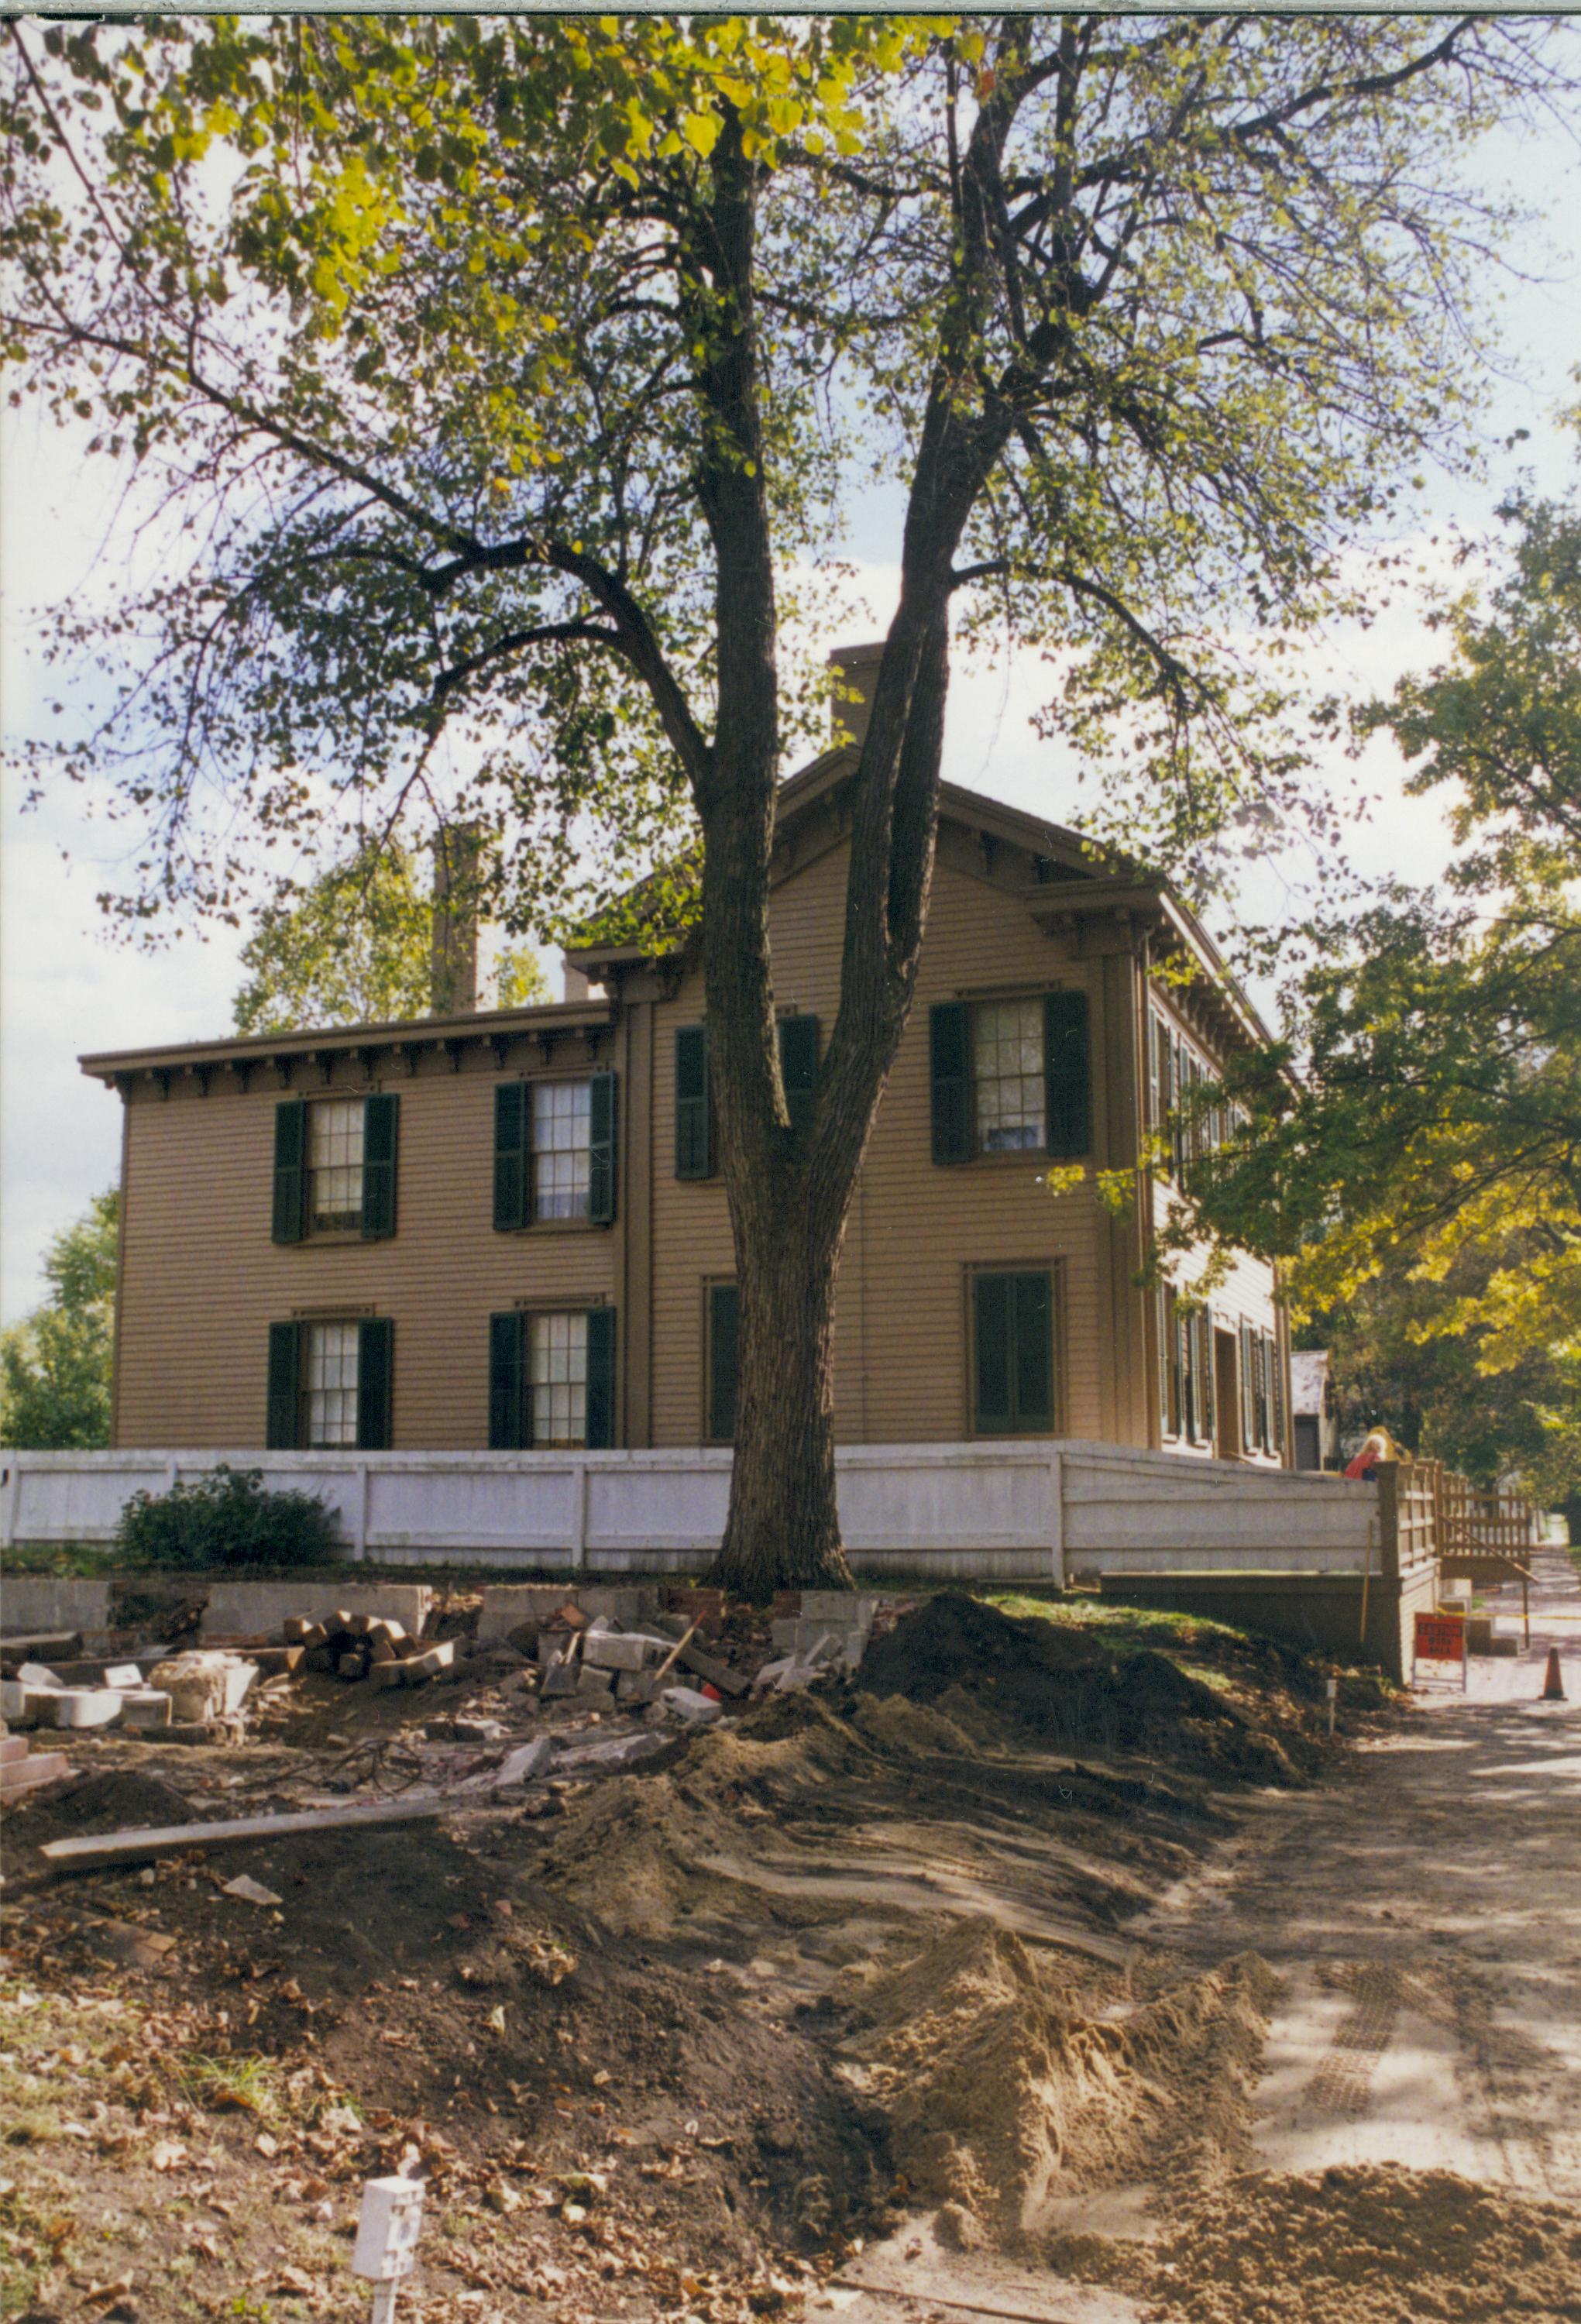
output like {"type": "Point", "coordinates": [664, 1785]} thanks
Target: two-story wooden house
{"type": "Point", "coordinates": [504, 1228]}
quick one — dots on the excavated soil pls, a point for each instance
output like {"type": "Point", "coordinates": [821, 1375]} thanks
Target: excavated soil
{"type": "Point", "coordinates": [854, 1949]}
{"type": "Point", "coordinates": [1358, 2244]}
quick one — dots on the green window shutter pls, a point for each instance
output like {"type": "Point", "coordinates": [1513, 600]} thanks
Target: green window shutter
{"type": "Point", "coordinates": [993, 1321]}
{"type": "Point", "coordinates": [512, 1133]}
{"type": "Point", "coordinates": [600, 1150]}
{"type": "Point", "coordinates": [291, 1169]}
{"type": "Point", "coordinates": [1033, 1338]}
{"type": "Point", "coordinates": [1068, 1072]}
{"type": "Point", "coordinates": [798, 1069]}
{"type": "Point", "coordinates": [598, 1435]}
{"type": "Point", "coordinates": [1248, 1388]}
{"type": "Point", "coordinates": [1166, 1371]}
{"type": "Point", "coordinates": [381, 1119]}
{"type": "Point", "coordinates": [506, 1373]}
{"type": "Point", "coordinates": [376, 1381]}
{"type": "Point", "coordinates": [950, 1060]}
{"type": "Point", "coordinates": [1207, 1405]}
{"type": "Point", "coordinates": [282, 1422]}
{"type": "Point", "coordinates": [724, 1331]}
{"type": "Point", "coordinates": [1162, 1074]}
{"type": "Point", "coordinates": [694, 1104]}
{"type": "Point", "coordinates": [1276, 1380]}
{"type": "Point", "coordinates": [1185, 1358]}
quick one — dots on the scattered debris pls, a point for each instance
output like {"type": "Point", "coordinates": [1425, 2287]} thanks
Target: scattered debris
{"type": "Point", "coordinates": [251, 1891]}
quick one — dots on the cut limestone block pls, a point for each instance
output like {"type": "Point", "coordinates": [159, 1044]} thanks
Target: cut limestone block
{"type": "Point", "coordinates": [591, 1680]}
{"type": "Point", "coordinates": [36, 1674]}
{"type": "Point", "coordinates": [29, 1775]}
{"type": "Point", "coordinates": [432, 1662]}
{"type": "Point", "coordinates": [122, 1674]}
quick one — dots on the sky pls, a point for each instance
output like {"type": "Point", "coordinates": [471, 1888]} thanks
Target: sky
{"type": "Point", "coordinates": [67, 986]}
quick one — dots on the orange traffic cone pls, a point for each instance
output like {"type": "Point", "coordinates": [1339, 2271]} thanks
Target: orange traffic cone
{"type": "Point", "coordinates": [1553, 1685]}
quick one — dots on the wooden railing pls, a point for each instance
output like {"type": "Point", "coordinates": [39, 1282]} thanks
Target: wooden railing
{"type": "Point", "coordinates": [1471, 1525]}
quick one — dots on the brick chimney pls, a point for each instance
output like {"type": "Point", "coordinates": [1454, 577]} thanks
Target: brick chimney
{"type": "Point", "coordinates": [453, 961]}
{"type": "Point", "coordinates": [856, 669]}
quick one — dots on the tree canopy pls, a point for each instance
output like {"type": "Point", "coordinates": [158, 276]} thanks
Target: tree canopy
{"type": "Point", "coordinates": [56, 1366]}
{"type": "Point", "coordinates": [501, 383]}
{"type": "Point", "coordinates": [355, 948]}
{"type": "Point", "coordinates": [1435, 1130]}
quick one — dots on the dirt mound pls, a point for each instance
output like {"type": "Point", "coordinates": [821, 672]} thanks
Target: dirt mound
{"type": "Point", "coordinates": [1009, 2074]}
{"type": "Point", "coordinates": [1367, 2245]}
{"type": "Point", "coordinates": [993, 1672]}
{"type": "Point", "coordinates": [104, 1803]}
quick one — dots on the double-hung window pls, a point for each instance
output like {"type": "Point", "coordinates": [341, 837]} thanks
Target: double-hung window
{"type": "Point", "coordinates": [1011, 1076]}
{"type": "Point", "coordinates": [1008, 1090]}
{"type": "Point", "coordinates": [334, 1166]}
{"type": "Point", "coordinates": [330, 1384]}
{"type": "Point", "coordinates": [551, 1379]}
{"type": "Point", "coordinates": [554, 1152]}
{"type": "Point", "coordinates": [561, 1159]}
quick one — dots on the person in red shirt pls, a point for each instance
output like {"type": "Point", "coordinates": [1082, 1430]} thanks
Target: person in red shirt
{"type": "Point", "coordinates": [1379, 1447]}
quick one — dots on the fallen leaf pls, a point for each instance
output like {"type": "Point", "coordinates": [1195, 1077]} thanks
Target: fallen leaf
{"type": "Point", "coordinates": [169, 2154]}
{"type": "Point", "coordinates": [266, 2147]}
{"type": "Point", "coordinates": [292, 2280]}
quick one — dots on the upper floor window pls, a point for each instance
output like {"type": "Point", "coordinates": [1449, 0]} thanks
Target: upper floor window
{"type": "Point", "coordinates": [561, 1119]}
{"type": "Point", "coordinates": [335, 1164]}
{"type": "Point", "coordinates": [1011, 1076]}
{"type": "Point", "coordinates": [1008, 1076]}
{"type": "Point", "coordinates": [554, 1151]}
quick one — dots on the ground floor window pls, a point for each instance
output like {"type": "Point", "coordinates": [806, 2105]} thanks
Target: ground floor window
{"type": "Point", "coordinates": [557, 1379]}
{"type": "Point", "coordinates": [331, 1415]}
{"type": "Point", "coordinates": [721, 1346]}
{"type": "Point", "coordinates": [1013, 1353]}
{"type": "Point", "coordinates": [330, 1384]}
{"type": "Point", "coordinates": [552, 1378]}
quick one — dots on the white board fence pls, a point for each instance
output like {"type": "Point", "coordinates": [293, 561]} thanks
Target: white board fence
{"type": "Point", "coordinates": [1043, 1511]}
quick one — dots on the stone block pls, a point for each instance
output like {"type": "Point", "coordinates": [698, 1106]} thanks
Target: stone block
{"type": "Point", "coordinates": [80, 1706]}
{"type": "Point", "coordinates": [513, 1606]}
{"type": "Point", "coordinates": [147, 1707]}
{"type": "Point", "coordinates": [249, 1607]}
{"type": "Point", "coordinates": [692, 1708]}
{"type": "Point", "coordinates": [590, 1680]}
{"type": "Point", "coordinates": [622, 1650]}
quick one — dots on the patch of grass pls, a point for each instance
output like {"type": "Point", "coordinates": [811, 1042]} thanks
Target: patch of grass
{"type": "Point", "coordinates": [73, 1561]}
{"type": "Point", "coordinates": [1115, 1624]}
{"type": "Point", "coordinates": [35, 2238]}
{"type": "Point", "coordinates": [249, 2084]}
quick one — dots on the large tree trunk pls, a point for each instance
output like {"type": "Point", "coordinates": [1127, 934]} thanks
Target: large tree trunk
{"type": "Point", "coordinates": [783, 1531]}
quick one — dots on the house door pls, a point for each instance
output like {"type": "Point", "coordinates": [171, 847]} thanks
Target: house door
{"type": "Point", "coordinates": [1226, 1397]}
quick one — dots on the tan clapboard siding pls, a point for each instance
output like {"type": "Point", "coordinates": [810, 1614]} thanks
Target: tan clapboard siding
{"type": "Point", "coordinates": [203, 1281]}
{"type": "Point", "coordinates": [901, 1334]}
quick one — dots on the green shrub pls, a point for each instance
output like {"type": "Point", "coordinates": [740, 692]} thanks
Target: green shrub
{"type": "Point", "coordinates": [227, 1519]}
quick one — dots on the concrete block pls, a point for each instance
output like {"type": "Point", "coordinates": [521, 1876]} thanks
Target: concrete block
{"type": "Point", "coordinates": [250, 1608]}
{"type": "Point", "coordinates": [122, 1674]}
{"type": "Point", "coordinates": [434, 1662]}
{"type": "Point", "coordinates": [626, 1605]}
{"type": "Point", "coordinates": [687, 1704]}
{"type": "Point", "coordinates": [146, 1707]}
{"type": "Point", "coordinates": [80, 1706]}
{"type": "Point", "coordinates": [623, 1650]}
{"type": "Point", "coordinates": [846, 1609]}
{"type": "Point", "coordinates": [508, 1607]}
{"type": "Point", "coordinates": [16, 1703]}
{"type": "Point", "coordinates": [786, 1634]}
{"type": "Point", "coordinates": [48, 1601]}
{"type": "Point", "coordinates": [36, 1674]}
{"type": "Point", "coordinates": [591, 1680]}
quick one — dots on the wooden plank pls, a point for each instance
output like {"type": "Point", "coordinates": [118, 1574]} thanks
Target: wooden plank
{"type": "Point", "coordinates": [91, 1849]}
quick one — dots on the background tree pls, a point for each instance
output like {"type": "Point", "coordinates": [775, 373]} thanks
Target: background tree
{"type": "Point", "coordinates": [56, 1366]}
{"type": "Point", "coordinates": [506, 368]}
{"type": "Point", "coordinates": [355, 948]}
{"type": "Point", "coordinates": [1432, 1151]}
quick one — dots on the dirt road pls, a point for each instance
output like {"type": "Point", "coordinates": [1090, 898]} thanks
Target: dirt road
{"type": "Point", "coordinates": [1423, 1917]}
